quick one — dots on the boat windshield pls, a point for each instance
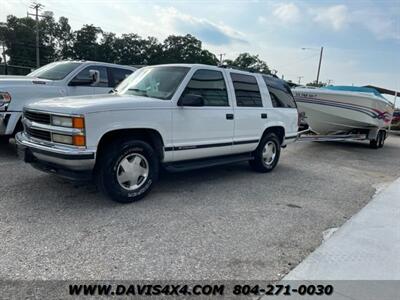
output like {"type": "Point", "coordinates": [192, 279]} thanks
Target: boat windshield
{"type": "Point", "coordinates": [158, 82]}
{"type": "Point", "coordinates": [354, 89]}
{"type": "Point", "coordinates": [55, 71]}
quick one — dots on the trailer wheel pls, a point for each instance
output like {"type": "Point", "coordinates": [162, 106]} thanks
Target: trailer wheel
{"type": "Point", "coordinates": [379, 142]}
{"type": "Point", "coordinates": [374, 143]}
{"type": "Point", "coordinates": [382, 138]}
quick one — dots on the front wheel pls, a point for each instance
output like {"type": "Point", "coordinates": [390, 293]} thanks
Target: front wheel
{"type": "Point", "coordinates": [267, 154]}
{"type": "Point", "coordinates": [127, 170]}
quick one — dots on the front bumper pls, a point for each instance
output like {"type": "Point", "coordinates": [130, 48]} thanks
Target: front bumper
{"type": "Point", "coordinates": [65, 162]}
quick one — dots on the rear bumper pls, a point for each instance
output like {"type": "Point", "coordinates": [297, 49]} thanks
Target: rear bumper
{"type": "Point", "coordinates": [74, 164]}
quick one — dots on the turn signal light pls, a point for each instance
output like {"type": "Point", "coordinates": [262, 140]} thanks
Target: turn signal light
{"type": "Point", "coordinates": [78, 122]}
{"type": "Point", "coordinates": [79, 140]}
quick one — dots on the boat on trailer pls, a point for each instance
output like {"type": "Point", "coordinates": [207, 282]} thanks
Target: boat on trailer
{"type": "Point", "coordinates": [345, 111]}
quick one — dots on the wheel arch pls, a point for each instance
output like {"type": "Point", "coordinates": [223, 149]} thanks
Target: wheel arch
{"type": "Point", "coordinates": [149, 135]}
{"type": "Point", "coordinates": [278, 130]}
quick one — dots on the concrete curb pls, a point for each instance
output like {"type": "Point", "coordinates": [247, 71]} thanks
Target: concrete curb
{"type": "Point", "coordinates": [366, 247]}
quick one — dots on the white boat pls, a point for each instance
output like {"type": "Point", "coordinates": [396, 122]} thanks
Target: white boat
{"type": "Point", "coordinates": [343, 109]}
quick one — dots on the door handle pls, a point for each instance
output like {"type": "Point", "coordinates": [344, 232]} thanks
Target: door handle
{"type": "Point", "coordinates": [229, 116]}
{"type": "Point", "coordinates": [264, 116]}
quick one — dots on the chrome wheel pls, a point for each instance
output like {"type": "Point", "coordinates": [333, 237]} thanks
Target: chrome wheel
{"type": "Point", "coordinates": [269, 153]}
{"type": "Point", "coordinates": [132, 171]}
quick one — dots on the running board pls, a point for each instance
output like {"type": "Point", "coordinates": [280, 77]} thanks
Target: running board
{"type": "Point", "coordinates": [206, 162]}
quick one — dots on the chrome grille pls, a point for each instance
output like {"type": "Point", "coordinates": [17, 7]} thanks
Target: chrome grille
{"type": "Point", "coordinates": [37, 117]}
{"type": "Point", "coordinates": [39, 134]}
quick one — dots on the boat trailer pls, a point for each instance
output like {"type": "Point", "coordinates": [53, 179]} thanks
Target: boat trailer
{"type": "Point", "coordinates": [373, 136]}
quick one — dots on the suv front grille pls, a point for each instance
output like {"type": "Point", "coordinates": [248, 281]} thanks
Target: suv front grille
{"type": "Point", "coordinates": [39, 134]}
{"type": "Point", "coordinates": [37, 117]}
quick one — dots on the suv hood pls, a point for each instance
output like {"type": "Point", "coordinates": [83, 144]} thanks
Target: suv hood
{"type": "Point", "coordinates": [95, 103]}
{"type": "Point", "coordinates": [11, 80]}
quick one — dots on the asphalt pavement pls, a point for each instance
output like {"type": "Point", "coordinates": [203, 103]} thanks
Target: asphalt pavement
{"type": "Point", "coordinates": [220, 223]}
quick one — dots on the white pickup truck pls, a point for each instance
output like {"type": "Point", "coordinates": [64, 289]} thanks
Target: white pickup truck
{"type": "Point", "coordinates": [176, 116]}
{"type": "Point", "coordinates": [58, 79]}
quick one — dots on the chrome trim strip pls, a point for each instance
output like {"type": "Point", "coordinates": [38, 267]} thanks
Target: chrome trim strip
{"type": "Point", "coordinates": [26, 141]}
{"type": "Point", "coordinates": [53, 113]}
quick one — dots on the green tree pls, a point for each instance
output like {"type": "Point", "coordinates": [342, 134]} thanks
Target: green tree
{"type": "Point", "coordinates": [64, 39]}
{"type": "Point", "coordinates": [86, 42]}
{"type": "Point", "coordinates": [47, 29]}
{"type": "Point", "coordinates": [130, 49]}
{"type": "Point", "coordinates": [19, 37]}
{"type": "Point", "coordinates": [106, 49]}
{"type": "Point", "coordinates": [248, 62]}
{"type": "Point", "coordinates": [152, 51]}
{"type": "Point", "coordinates": [186, 49]}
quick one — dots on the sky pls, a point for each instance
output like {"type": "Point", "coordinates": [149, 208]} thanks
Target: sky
{"type": "Point", "coordinates": [361, 38]}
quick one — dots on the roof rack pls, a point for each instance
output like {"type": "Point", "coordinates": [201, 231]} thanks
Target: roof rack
{"type": "Point", "coordinates": [233, 67]}
{"type": "Point", "coordinates": [239, 69]}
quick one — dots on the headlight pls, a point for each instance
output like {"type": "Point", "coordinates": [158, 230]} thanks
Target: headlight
{"type": "Point", "coordinates": [63, 139]}
{"type": "Point", "coordinates": [71, 122]}
{"type": "Point", "coordinates": [76, 140]}
{"type": "Point", "coordinates": [5, 97]}
{"type": "Point", "coordinates": [61, 121]}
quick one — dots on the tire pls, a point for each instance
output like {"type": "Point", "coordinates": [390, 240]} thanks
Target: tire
{"type": "Point", "coordinates": [378, 143]}
{"type": "Point", "coordinates": [382, 139]}
{"type": "Point", "coordinates": [263, 162]}
{"type": "Point", "coordinates": [373, 144]}
{"type": "Point", "coordinates": [122, 161]}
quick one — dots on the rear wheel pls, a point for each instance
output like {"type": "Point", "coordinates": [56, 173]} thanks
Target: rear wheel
{"type": "Point", "coordinates": [127, 170]}
{"type": "Point", "coordinates": [266, 156]}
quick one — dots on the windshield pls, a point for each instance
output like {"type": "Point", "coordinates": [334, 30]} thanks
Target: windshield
{"type": "Point", "coordinates": [55, 71]}
{"type": "Point", "coordinates": [155, 82]}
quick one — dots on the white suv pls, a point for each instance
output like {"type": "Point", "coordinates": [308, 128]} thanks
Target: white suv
{"type": "Point", "coordinates": [58, 79]}
{"type": "Point", "coordinates": [176, 116]}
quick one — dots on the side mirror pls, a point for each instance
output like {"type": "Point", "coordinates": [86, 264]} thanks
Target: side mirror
{"type": "Point", "coordinates": [92, 79]}
{"type": "Point", "coordinates": [94, 76]}
{"type": "Point", "coordinates": [191, 100]}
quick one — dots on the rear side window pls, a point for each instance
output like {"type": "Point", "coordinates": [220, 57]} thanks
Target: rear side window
{"type": "Point", "coordinates": [280, 93]}
{"type": "Point", "coordinates": [210, 85]}
{"type": "Point", "coordinates": [118, 75]}
{"type": "Point", "coordinates": [246, 90]}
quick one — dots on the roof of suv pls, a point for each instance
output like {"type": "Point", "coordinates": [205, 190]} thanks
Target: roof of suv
{"type": "Point", "coordinates": [210, 67]}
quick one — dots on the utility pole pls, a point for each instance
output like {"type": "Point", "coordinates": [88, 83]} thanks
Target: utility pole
{"type": "Point", "coordinates": [299, 77]}
{"type": "Point", "coordinates": [36, 7]}
{"type": "Point", "coordinates": [221, 58]}
{"type": "Point", "coordinates": [320, 59]}
{"type": "Point", "coordinates": [319, 64]}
